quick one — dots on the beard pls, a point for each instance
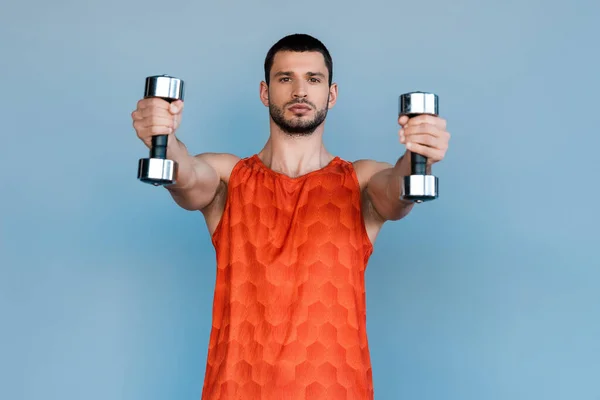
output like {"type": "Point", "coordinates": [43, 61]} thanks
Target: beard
{"type": "Point", "coordinates": [297, 126]}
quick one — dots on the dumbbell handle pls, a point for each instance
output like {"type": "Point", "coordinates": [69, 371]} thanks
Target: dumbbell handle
{"type": "Point", "coordinates": [418, 164]}
{"type": "Point", "coordinates": [159, 147]}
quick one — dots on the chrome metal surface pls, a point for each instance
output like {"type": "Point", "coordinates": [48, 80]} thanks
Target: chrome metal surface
{"type": "Point", "coordinates": [157, 171]}
{"type": "Point", "coordinates": [418, 103]}
{"type": "Point", "coordinates": [164, 86]}
{"type": "Point", "coordinates": [419, 188]}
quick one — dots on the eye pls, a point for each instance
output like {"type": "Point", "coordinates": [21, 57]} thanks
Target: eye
{"type": "Point", "coordinates": [315, 80]}
{"type": "Point", "coordinates": [285, 79]}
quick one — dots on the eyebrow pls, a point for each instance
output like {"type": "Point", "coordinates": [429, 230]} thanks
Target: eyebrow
{"type": "Point", "coordinates": [289, 73]}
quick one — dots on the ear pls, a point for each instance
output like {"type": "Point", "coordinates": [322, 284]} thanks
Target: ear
{"type": "Point", "coordinates": [333, 92]}
{"type": "Point", "coordinates": [264, 93]}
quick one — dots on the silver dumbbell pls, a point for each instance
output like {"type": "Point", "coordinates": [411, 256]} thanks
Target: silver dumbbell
{"type": "Point", "coordinates": [157, 169]}
{"type": "Point", "coordinates": [418, 187]}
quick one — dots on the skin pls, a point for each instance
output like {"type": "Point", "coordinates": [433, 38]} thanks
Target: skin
{"type": "Point", "coordinates": [295, 79]}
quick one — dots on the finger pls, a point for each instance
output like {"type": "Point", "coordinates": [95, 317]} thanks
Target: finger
{"type": "Point", "coordinates": [158, 121]}
{"type": "Point", "coordinates": [144, 131]}
{"type": "Point", "coordinates": [149, 130]}
{"type": "Point", "coordinates": [160, 130]}
{"type": "Point", "coordinates": [402, 135]}
{"type": "Point", "coordinates": [428, 119]}
{"type": "Point", "coordinates": [433, 155]}
{"type": "Point", "coordinates": [402, 120]}
{"type": "Point", "coordinates": [426, 140]}
{"type": "Point", "coordinates": [424, 129]}
{"type": "Point", "coordinates": [149, 112]}
{"type": "Point", "coordinates": [136, 115]}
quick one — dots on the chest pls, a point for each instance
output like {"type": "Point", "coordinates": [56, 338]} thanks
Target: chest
{"type": "Point", "coordinates": [279, 212]}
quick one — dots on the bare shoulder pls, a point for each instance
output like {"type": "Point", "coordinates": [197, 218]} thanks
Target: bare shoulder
{"type": "Point", "coordinates": [365, 169]}
{"type": "Point", "coordinates": [222, 163]}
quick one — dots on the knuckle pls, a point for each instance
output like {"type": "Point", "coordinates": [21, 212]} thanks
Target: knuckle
{"type": "Point", "coordinates": [151, 111]}
{"type": "Point", "coordinates": [414, 129]}
{"type": "Point", "coordinates": [159, 112]}
{"type": "Point", "coordinates": [424, 119]}
{"type": "Point", "coordinates": [144, 102]}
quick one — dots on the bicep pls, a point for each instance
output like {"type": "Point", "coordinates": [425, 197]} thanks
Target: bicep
{"type": "Point", "coordinates": [211, 171]}
{"type": "Point", "coordinates": [215, 167]}
{"type": "Point", "coordinates": [378, 203]}
{"type": "Point", "coordinates": [371, 177]}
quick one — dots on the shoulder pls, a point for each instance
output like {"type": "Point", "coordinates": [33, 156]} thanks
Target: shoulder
{"type": "Point", "coordinates": [222, 163]}
{"type": "Point", "coordinates": [365, 169]}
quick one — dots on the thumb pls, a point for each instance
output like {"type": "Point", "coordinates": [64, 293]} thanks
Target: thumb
{"type": "Point", "coordinates": [176, 107]}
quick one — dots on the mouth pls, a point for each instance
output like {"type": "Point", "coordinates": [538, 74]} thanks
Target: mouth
{"type": "Point", "coordinates": [299, 108]}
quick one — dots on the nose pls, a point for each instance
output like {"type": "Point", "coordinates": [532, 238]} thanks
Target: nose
{"type": "Point", "coordinates": [299, 90]}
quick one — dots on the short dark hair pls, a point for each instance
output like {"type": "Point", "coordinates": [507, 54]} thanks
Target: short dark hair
{"type": "Point", "coordinates": [298, 42]}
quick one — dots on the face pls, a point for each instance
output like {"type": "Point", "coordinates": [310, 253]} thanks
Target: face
{"type": "Point", "coordinates": [299, 94]}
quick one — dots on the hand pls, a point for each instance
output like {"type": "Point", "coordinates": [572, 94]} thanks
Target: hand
{"type": "Point", "coordinates": [425, 135]}
{"type": "Point", "coordinates": [155, 116]}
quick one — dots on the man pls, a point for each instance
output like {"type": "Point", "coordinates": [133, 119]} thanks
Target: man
{"type": "Point", "coordinates": [293, 227]}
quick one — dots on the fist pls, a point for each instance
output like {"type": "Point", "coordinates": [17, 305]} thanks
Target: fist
{"type": "Point", "coordinates": [425, 135]}
{"type": "Point", "coordinates": [154, 116]}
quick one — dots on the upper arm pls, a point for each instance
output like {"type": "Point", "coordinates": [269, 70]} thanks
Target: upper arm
{"type": "Point", "coordinates": [221, 163]}
{"type": "Point", "coordinates": [374, 178]}
{"type": "Point", "coordinates": [365, 170]}
{"type": "Point", "coordinates": [211, 175]}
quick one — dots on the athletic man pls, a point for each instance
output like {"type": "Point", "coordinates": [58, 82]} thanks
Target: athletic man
{"type": "Point", "coordinates": [293, 227]}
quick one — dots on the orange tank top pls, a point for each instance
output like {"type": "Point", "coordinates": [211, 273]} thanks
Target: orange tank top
{"type": "Point", "coordinates": [289, 311]}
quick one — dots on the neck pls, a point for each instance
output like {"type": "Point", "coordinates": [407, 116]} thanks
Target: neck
{"type": "Point", "coordinates": [295, 155]}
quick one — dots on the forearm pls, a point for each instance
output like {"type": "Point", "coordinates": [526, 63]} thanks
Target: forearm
{"type": "Point", "coordinates": [186, 175]}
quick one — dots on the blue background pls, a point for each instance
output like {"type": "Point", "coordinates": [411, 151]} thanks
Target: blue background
{"type": "Point", "coordinates": [490, 292]}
